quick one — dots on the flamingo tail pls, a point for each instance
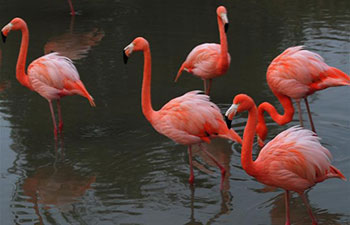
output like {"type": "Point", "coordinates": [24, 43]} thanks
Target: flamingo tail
{"type": "Point", "coordinates": [80, 86]}
{"type": "Point", "coordinates": [335, 173]}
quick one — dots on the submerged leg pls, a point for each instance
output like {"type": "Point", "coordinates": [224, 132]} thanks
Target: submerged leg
{"type": "Point", "coordinates": [299, 112]}
{"type": "Point", "coordinates": [286, 199]}
{"type": "Point", "coordinates": [191, 179]}
{"type": "Point", "coordinates": [309, 210]}
{"type": "Point", "coordinates": [309, 113]}
{"type": "Point", "coordinates": [60, 121]}
{"type": "Point", "coordinates": [53, 120]}
{"type": "Point", "coordinates": [223, 170]}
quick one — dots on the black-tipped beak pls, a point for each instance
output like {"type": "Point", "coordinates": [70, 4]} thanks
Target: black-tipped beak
{"type": "Point", "coordinates": [125, 58]}
{"type": "Point", "coordinates": [228, 122]}
{"type": "Point", "coordinates": [226, 27]}
{"type": "Point", "coordinates": [3, 37]}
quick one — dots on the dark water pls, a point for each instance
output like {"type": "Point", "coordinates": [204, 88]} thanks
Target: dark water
{"type": "Point", "coordinates": [111, 167]}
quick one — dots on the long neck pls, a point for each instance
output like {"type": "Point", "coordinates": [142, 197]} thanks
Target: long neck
{"type": "Point", "coordinates": [147, 108]}
{"type": "Point", "coordinates": [223, 61]}
{"type": "Point", "coordinates": [21, 61]}
{"type": "Point", "coordinates": [286, 117]}
{"type": "Point", "coordinates": [248, 138]}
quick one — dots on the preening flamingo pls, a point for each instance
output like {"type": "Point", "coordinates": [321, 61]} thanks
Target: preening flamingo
{"type": "Point", "coordinates": [209, 60]}
{"type": "Point", "coordinates": [294, 160]}
{"type": "Point", "coordinates": [52, 76]}
{"type": "Point", "coordinates": [296, 74]}
{"type": "Point", "coordinates": [189, 119]}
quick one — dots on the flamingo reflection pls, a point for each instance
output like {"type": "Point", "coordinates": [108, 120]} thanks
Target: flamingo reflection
{"type": "Point", "coordinates": [59, 186]}
{"type": "Point", "coordinates": [72, 44]}
{"type": "Point", "coordinates": [222, 152]}
{"type": "Point", "coordinates": [300, 215]}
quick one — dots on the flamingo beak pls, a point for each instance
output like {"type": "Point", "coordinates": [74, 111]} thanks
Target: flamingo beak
{"type": "Point", "coordinates": [230, 114]}
{"type": "Point", "coordinates": [225, 21]}
{"type": "Point", "coordinates": [226, 27]}
{"type": "Point", "coordinates": [3, 37]}
{"type": "Point", "coordinates": [125, 57]}
{"type": "Point", "coordinates": [5, 30]}
{"type": "Point", "coordinates": [127, 51]}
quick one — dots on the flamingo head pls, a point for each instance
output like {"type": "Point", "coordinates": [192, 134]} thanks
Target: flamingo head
{"type": "Point", "coordinates": [222, 14]}
{"type": "Point", "coordinates": [15, 24]}
{"type": "Point", "coordinates": [241, 103]}
{"type": "Point", "coordinates": [138, 44]}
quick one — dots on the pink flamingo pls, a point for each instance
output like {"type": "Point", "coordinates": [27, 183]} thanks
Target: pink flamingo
{"type": "Point", "coordinates": [72, 12]}
{"type": "Point", "coordinates": [189, 119]}
{"type": "Point", "coordinates": [52, 76]}
{"type": "Point", "coordinates": [209, 60]}
{"type": "Point", "coordinates": [294, 160]}
{"type": "Point", "coordinates": [296, 73]}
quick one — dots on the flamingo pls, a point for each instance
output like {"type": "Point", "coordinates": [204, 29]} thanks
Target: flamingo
{"type": "Point", "coordinates": [189, 119]}
{"type": "Point", "coordinates": [209, 60]}
{"type": "Point", "coordinates": [296, 74]}
{"type": "Point", "coordinates": [52, 76]}
{"type": "Point", "coordinates": [294, 160]}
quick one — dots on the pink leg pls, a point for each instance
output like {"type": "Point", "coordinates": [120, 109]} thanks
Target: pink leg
{"type": "Point", "coordinates": [309, 113]}
{"type": "Point", "coordinates": [286, 199]}
{"type": "Point", "coordinates": [53, 120]}
{"type": "Point", "coordinates": [60, 121]}
{"type": "Point", "coordinates": [299, 112]}
{"type": "Point", "coordinates": [191, 179]}
{"type": "Point", "coordinates": [223, 170]}
{"type": "Point", "coordinates": [309, 210]}
{"type": "Point", "coordinates": [205, 86]}
{"type": "Point", "coordinates": [72, 12]}
{"type": "Point", "coordinates": [209, 86]}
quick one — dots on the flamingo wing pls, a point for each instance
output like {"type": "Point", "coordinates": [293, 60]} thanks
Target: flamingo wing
{"type": "Point", "coordinates": [54, 76]}
{"type": "Point", "coordinates": [189, 118]}
{"type": "Point", "coordinates": [202, 60]}
{"type": "Point", "coordinates": [295, 160]}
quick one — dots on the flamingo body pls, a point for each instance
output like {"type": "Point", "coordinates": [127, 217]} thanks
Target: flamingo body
{"type": "Point", "coordinates": [54, 76]}
{"type": "Point", "coordinates": [203, 61]}
{"type": "Point", "coordinates": [190, 119]}
{"type": "Point", "coordinates": [295, 160]}
{"type": "Point", "coordinates": [298, 73]}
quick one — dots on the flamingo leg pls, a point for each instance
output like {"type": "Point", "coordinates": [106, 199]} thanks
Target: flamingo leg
{"type": "Point", "coordinates": [223, 170]}
{"type": "Point", "coordinates": [191, 179]}
{"type": "Point", "coordinates": [60, 123]}
{"type": "Point", "coordinates": [72, 12]}
{"type": "Point", "coordinates": [209, 86]}
{"type": "Point", "coordinates": [309, 113]}
{"type": "Point", "coordinates": [309, 210]}
{"type": "Point", "coordinates": [286, 199]}
{"type": "Point", "coordinates": [299, 113]}
{"type": "Point", "coordinates": [205, 86]}
{"type": "Point", "coordinates": [53, 120]}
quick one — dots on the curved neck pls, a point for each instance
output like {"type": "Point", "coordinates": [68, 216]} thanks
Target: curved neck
{"type": "Point", "coordinates": [286, 117]}
{"type": "Point", "coordinates": [248, 139]}
{"type": "Point", "coordinates": [223, 61]}
{"type": "Point", "coordinates": [21, 61]}
{"type": "Point", "coordinates": [146, 103]}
